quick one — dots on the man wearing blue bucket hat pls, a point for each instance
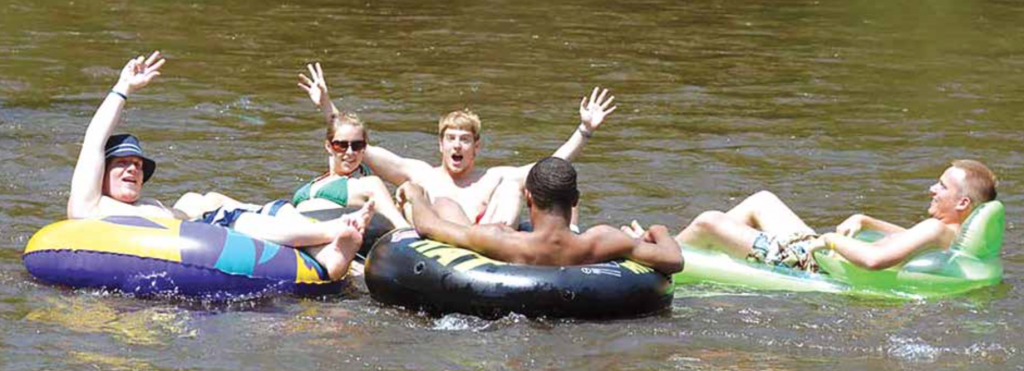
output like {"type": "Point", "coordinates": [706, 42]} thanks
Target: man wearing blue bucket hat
{"type": "Point", "coordinates": [112, 169]}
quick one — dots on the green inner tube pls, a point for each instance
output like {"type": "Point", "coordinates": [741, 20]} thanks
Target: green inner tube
{"type": "Point", "coordinates": [971, 262]}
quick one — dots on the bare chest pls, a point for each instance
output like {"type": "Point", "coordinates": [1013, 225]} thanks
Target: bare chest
{"type": "Point", "coordinates": [143, 207]}
{"type": "Point", "coordinates": [472, 196]}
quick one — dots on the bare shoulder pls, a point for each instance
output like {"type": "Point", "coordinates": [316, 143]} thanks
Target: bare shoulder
{"type": "Point", "coordinates": [927, 233]}
{"type": "Point", "coordinates": [938, 231]}
{"type": "Point", "coordinates": [933, 226]}
{"type": "Point", "coordinates": [607, 234]}
{"type": "Point", "coordinates": [600, 230]}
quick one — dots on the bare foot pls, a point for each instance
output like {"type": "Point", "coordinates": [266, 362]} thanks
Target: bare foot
{"type": "Point", "coordinates": [360, 218]}
{"type": "Point", "coordinates": [337, 256]}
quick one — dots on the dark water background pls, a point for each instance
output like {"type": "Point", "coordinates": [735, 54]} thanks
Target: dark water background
{"type": "Point", "coordinates": [837, 106]}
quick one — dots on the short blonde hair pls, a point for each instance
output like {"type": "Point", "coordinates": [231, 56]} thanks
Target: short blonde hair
{"type": "Point", "coordinates": [979, 182]}
{"type": "Point", "coordinates": [463, 119]}
{"type": "Point", "coordinates": [346, 118]}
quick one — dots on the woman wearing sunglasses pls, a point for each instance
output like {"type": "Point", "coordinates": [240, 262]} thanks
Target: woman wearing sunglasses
{"type": "Point", "coordinates": [348, 181]}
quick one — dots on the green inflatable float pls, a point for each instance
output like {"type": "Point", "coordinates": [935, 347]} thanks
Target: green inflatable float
{"type": "Point", "coordinates": [971, 262]}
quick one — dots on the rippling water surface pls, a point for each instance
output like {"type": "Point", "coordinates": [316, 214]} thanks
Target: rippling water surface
{"type": "Point", "coordinates": [837, 106]}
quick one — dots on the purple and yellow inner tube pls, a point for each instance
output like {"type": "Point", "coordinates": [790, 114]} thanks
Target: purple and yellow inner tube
{"type": "Point", "coordinates": [152, 256]}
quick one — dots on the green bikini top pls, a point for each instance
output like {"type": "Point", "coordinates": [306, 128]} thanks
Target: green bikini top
{"type": "Point", "coordinates": [335, 191]}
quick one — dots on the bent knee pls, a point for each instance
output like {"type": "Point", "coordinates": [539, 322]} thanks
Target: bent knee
{"type": "Point", "coordinates": [189, 200]}
{"type": "Point", "coordinates": [215, 199]}
{"type": "Point", "coordinates": [764, 196]}
{"type": "Point", "coordinates": [190, 196]}
{"type": "Point", "coordinates": [709, 220]}
{"type": "Point", "coordinates": [445, 202]}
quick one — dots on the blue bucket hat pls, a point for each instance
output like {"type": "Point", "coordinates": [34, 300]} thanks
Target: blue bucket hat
{"type": "Point", "coordinates": [124, 145]}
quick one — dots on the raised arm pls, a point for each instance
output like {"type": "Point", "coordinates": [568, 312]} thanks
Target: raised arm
{"type": "Point", "coordinates": [316, 87]}
{"type": "Point", "coordinates": [654, 248]}
{"type": "Point", "coordinates": [87, 179]}
{"type": "Point", "coordinates": [385, 164]}
{"type": "Point", "coordinates": [393, 168]}
{"type": "Point", "coordinates": [891, 250]}
{"type": "Point", "coordinates": [592, 113]}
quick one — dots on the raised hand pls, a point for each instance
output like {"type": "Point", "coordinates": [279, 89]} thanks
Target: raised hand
{"type": "Point", "coordinates": [316, 86]}
{"type": "Point", "coordinates": [138, 72]}
{"type": "Point", "coordinates": [593, 112]}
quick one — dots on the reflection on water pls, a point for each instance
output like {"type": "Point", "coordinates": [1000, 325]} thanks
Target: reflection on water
{"type": "Point", "coordinates": [107, 362]}
{"type": "Point", "coordinates": [87, 314]}
{"type": "Point", "coordinates": [837, 107]}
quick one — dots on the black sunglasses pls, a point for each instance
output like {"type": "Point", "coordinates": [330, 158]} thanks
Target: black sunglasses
{"type": "Point", "coordinates": [341, 146]}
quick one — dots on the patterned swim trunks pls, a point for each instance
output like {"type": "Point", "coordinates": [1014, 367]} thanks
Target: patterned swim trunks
{"type": "Point", "coordinates": [226, 216]}
{"type": "Point", "coordinates": [785, 251]}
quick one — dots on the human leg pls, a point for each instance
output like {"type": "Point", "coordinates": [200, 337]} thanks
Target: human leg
{"type": "Point", "coordinates": [505, 204]}
{"type": "Point", "coordinates": [337, 256]}
{"type": "Point", "coordinates": [766, 212]}
{"type": "Point", "coordinates": [296, 231]}
{"type": "Point", "coordinates": [285, 210]}
{"type": "Point", "coordinates": [195, 205]}
{"type": "Point", "coordinates": [450, 210]}
{"type": "Point", "coordinates": [718, 231]}
{"type": "Point", "coordinates": [762, 215]}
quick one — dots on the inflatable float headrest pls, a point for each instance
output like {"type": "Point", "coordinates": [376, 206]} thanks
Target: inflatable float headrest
{"type": "Point", "coordinates": [982, 233]}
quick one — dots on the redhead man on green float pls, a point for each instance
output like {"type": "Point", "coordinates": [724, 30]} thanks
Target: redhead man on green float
{"type": "Point", "coordinates": [485, 196]}
{"type": "Point", "coordinates": [763, 229]}
{"type": "Point", "coordinates": [111, 171]}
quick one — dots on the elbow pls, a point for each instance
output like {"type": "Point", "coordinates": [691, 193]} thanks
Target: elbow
{"type": "Point", "coordinates": [423, 229]}
{"type": "Point", "coordinates": [669, 263]}
{"type": "Point", "coordinates": [673, 266]}
{"type": "Point", "coordinates": [875, 263]}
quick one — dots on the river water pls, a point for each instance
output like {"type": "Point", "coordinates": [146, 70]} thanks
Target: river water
{"type": "Point", "coordinates": [837, 106]}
